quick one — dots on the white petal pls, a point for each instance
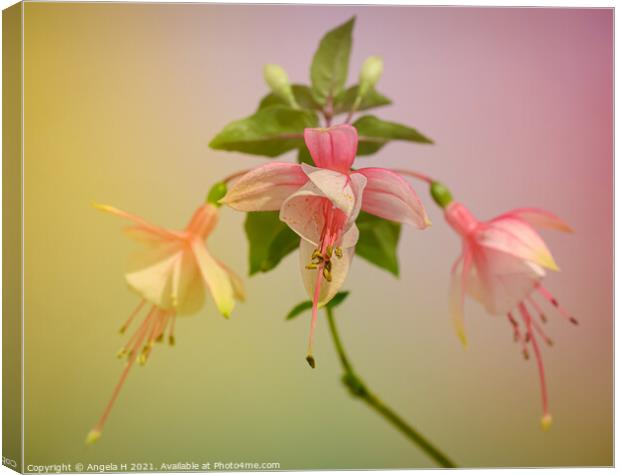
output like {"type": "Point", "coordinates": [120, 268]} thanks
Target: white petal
{"type": "Point", "coordinates": [303, 213]}
{"type": "Point", "coordinates": [188, 290]}
{"type": "Point", "coordinates": [154, 283]}
{"type": "Point", "coordinates": [303, 210]}
{"type": "Point", "coordinates": [501, 281]}
{"type": "Point", "coordinates": [343, 191]}
{"type": "Point", "coordinates": [350, 237]}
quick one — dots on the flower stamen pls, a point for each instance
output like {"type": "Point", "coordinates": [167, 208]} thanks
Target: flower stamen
{"type": "Point", "coordinates": [541, 332]}
{"type": "Point", "coordinates": [133, 314]}
{"type": "Point", "coordinates": [541, 314]}
{"type": "Point", "coordinates": [515, 327]}
{"type": "Point", "coordinates": [553, 301]}
{"type": "Point", "coordinates": [171, 339]}
{"type": "Point", "coordinates": [139, 337]}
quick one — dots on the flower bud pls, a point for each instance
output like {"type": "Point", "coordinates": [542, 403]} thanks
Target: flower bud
{"type": "Point", "coordinates": [216, 193]}
{"type": "Point", "coordinates": [277, 80]}
{"type": "Point", "coordinates": [370, 74]}
{"type": "Point", "coordinates": [441, 195]}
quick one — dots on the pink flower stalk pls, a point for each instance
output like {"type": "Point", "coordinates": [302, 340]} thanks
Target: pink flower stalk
{"type": "Point", "coordinates": [502, 265]}
{"type": "Point", "coordinates": [172, 284]}
{"type": "Point", "coordinates": [322, 203]}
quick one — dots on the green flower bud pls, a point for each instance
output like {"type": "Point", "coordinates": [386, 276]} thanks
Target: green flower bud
{"type": "Point", "coordinates": [441, 195]}
{"type": "Point", "coordinates": [372, 69]}
{"type": "Point", "coordinates": [216, 193]}
{"type": "Point", "coordinates": [277, 80]}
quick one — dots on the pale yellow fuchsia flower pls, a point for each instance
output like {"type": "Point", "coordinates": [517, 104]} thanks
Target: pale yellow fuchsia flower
{"type": "Point", "coordinates": [175, 281]}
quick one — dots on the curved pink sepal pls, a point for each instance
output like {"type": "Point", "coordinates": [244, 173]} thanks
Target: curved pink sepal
{"type": "Point", "coordinates": [389, 196]}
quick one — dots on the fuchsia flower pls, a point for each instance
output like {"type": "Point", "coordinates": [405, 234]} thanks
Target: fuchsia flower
{"type": "Point", "coordinates": [171, 284]}
{"type": "Point", "coordinates": [322, 203]}
{"type": "Point", "coordinates": [502, 264]}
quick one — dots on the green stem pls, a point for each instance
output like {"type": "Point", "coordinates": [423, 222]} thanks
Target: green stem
{"type": "Point", "coordinates": [356, 104]}
{"type": "Point", "coordinates": [328, 110]}
{"type": "Point", "coordinates": [359, 389]}
{"type": "Point", "coordinates": [346, 366]}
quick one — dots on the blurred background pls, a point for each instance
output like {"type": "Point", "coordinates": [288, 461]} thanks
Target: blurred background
{"type": "Point", "coordinates": [121, 101]}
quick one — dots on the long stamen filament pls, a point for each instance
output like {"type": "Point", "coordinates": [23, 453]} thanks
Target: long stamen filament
{"type": "Point", "coordinates": [95, 433]}
{"type": "Point", "coordinates": [159, 336]}
{"type": "Point", "coordinates": [538, 309]}
{"type": "Point", "coordinates": [150, 341]}
{"type": "Point", "coordinates": [553, 301]}
{"type": "Point", "coordinates": [315, 312]}
{"type": "Point", "coordinates": [542, 333]}
{"type": "Point", "coordinates": [527, 320]}
{"type": "Point", "coordinates": [515, 327]}
{"type": "Point", "coordinates": [126, 350]}
{"type": "Point", "coordinates": [171, 338]}
{"type": "Point", "coordinates": [133, 314]}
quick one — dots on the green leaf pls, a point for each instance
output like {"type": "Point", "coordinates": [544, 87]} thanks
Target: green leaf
{"type": "Point", "coordinates": [270, 240]}
{"type": "Point", "coordinates": [307, 305]}
{"type": "Point", "coordinates": [330, 64]}
{"type": "Point", "coordinates": [271, 132]}
{"type": "Point", "coordinates": [378, 241]}
{"type": "Point", "coordinates": [344, 102]}
{"type": "Point", "coordinates": [375, 133]}
{"type": "Point", "coordinates": [285, 242]}
{"type": "Point", "coordinates": [337, 299]}
{"type": "Point", "coordinates": [303, 156]}
{"type": "Point", "coordinates": [299, 309]}
{"type": "Point", "coordinates": [303, 96]}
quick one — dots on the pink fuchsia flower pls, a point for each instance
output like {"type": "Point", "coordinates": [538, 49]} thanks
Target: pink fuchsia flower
{"type": "Point", "coordinates": [502, 266]}
{"type": "Point", "coordinates": [174, 282]}
{"type": "Point", "coordinates": [322, 203]}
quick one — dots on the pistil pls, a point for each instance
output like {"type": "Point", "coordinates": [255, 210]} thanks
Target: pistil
{"type": "Point", "coordinates": [321, 261]}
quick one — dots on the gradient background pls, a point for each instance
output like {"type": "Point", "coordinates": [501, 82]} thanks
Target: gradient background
{"type": "Point", "coordinates": [120, 104]}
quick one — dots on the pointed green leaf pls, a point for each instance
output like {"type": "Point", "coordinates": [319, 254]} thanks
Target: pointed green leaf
{"type": "Point", "coordinates": [299, 309]}
{"type": "Point", "coordinates": [270, 240]}
{"type": "Point", "coordinates": [270, 132]}
{"type": "Point", "coordinates": [337, 299]}
{"type": "Point", "coordinates": [307, 304]}
{"type": "Point", "coordinates": [375, 133]}
{"type": "Point", "coordinates": [303, 156]}
{"type": "Point", "coordinates": [344, 102]}
{"type": "Point", "coordinates": [283, 243]}
{"type": "Point", "coordinates": [378, 241]}
{"type": "Point", "coordinates": [303, 96]}
{"type": "Point", "coordinates": [330, 64]}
